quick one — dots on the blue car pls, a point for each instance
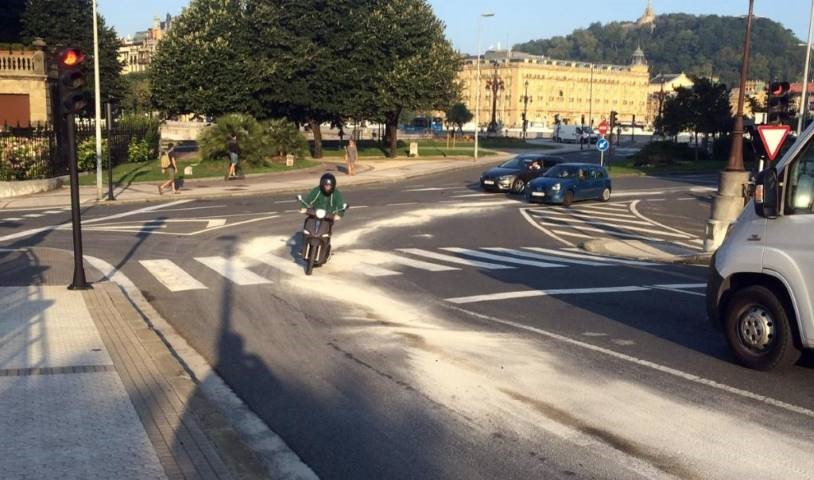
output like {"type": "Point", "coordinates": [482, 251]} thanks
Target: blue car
{"type": "Point", "coordinates": [570, 182]}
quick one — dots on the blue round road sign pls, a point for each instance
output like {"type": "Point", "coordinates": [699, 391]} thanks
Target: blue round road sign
{"type": "Point", "coordinates": [602, 145]}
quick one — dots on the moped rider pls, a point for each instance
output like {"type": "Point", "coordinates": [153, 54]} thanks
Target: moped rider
{"type": "Point", "coordinates": [323, 197]}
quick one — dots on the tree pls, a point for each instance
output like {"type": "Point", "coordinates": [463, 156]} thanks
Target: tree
{"type": "Point", "coordinates": [304, 56]}
{"type": "Point", "coordinates": [203, 65]}
{"type": "Point", "coordinates": [409, 63]}
{"type": "Point", "coordinates": [63, 23]}
{"type": "Point", "coordinates": [458, 115]}
{"type": "Point", "coordinates": [137, 97]}
{"type": "Point", "coordinates": [11, 25]}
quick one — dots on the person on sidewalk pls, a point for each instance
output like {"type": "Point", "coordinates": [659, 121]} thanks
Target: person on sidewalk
{"type": "Point", "coordinates": [169, 167]}
{"type": "Point", "coordinates": [351, 155]}
{"type": "Point", "coordinates": [234, 156]}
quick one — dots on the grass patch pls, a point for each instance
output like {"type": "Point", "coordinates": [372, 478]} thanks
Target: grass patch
{"type": "Point", "coordinates": [128, 173]}
{"type": "Point", "coordinates": [627, 167]}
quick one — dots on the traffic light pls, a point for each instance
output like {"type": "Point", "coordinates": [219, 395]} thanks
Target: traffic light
{"type": "Point", "coordinates": [613, 119]}
{"type": "Point", "coordinates": [73, 97]}
{"type": "Point", "coordinates": [779, 107]}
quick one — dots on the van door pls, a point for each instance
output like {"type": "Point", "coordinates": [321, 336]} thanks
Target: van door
{"type": "Point", "coordinates": [790, 237]}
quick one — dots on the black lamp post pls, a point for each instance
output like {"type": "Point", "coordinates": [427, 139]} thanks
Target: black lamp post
{"type": "Point", "coordinates": [526, 101]}
{"type": "Point", "coordinates": [494, 85]}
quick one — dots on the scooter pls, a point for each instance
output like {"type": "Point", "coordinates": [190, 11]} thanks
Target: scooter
{"type": "Point", "coordinates": [316, 235]}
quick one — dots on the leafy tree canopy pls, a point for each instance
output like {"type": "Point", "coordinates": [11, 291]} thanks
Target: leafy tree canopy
{"type": "Point", "coordinates": [11, 25]}
{"type": "Point", "coordinates": [707, 45]}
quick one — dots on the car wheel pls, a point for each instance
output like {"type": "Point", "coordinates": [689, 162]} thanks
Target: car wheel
{"type": "Point", "coordinates": [758, 330]}
{"type": "Point", "coordinates": [606, 194]}
{"type": "Point", "coordinates": [568, 199]}
{"type": "Point", "coordinates": [519, 186]}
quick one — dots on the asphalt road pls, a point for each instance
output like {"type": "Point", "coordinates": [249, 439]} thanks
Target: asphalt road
{"type": "Point", "coordinates": [458, 334]}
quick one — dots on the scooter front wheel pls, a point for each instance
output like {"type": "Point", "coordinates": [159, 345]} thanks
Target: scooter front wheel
{"type": "Point", "coordinates": [312, 258]}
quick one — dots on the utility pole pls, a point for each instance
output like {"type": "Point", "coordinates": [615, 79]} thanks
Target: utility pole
{"type": "Point", "coordinates": [478, 87]}
{"type": "Point", "coordinates": [98, 104]}
{"type": "Point", "coordinates": [526, 101]}
{"type": "Point", "coordinates": [732, 194]}
{"type": "Point", "coordinates": [804, 99]}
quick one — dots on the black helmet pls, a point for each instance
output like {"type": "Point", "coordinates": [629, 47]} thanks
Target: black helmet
{"type": "Point", "coordinates": [327, 179]}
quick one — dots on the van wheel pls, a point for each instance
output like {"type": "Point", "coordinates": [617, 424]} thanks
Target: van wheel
{"type": "Point", "coordinates": [568, 199]}
{"type": "Point", "coordinates": [758, 330]}
{"type": "Point", "coordinates": [606, 194]}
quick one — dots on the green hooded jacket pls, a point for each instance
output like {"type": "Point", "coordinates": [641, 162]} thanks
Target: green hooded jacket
{"type": "Point", "coordinates": [330, 203]}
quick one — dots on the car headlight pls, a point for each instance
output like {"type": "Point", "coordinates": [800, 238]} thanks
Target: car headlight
{"type": "Point", "coordinates": [556, 188]}
{"type": "Point", "coordinates": [506, 178]}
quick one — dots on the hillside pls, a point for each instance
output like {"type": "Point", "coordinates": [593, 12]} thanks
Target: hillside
{"type": "Point", "coordinates": [699, 45]}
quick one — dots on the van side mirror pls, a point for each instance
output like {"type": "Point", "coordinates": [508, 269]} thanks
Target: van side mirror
{"type": "Point", "coordinates": [767, 193]}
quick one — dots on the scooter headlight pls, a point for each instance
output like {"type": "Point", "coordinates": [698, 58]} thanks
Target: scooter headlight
{"type": "Point", "coordinates": [321, 213]}
{"type": "Point", "coordinates": [306, 232]}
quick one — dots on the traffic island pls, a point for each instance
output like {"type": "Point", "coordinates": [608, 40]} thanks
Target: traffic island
{"type": "Point", "coordinates": [659, 252]}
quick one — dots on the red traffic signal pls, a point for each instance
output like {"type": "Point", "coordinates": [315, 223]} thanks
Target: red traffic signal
{"type": "Point", "coordinates": [71, 58]}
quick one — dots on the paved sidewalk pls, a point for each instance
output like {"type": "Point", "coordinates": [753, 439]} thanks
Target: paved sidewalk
{"type": "Point", "coordinates": [371, 172]}
{"type": "Point", "coordinates": [92, 386]}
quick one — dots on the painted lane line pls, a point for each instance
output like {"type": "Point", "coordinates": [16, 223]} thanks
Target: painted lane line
{"type": "Point", "coordinates": [572, 234]}
{"type": "Point", "coordinates": [501, 258]}
{"type": "Point", "coordinates": [690, 377]}
{"type": "Point", "coordinates": [592, 214]}
{"type": "Point", "coordinates": [471, 195]}
{"type": "Point", "coordinates": [285, 265]}
{"type": "Point", "coordinates": [233, 269]}
{"type": "Point", "coordinates": [34, 215]}
{"type": "Point", "coordinates": [426, 189]}
{"type": "Point", "coordinates": [584, 256]}
{"type": "Point", "coordinates": [401, 204]}
{"type": "Point", "coordinates": [413, 263]}
{"type": "Point", "coordinates": [285, 201]}
{"type": "Point", "coordinates": [216, 222]}
{"type": "Point", "coordinates": [374, 271]}
{"type": "Point", "coordinates": [35, 231]}
{"type": "Point", "coordinates": [638, 194]}
{"type": "Point", "coordinates": [12, 219]}
{"type": "Point", "coordinates": [172, 276]}
{"type": "Point", "coordinates": [52, 212]}
{"type": "Point", "coordinates": [689, 199]}
{"type": "Point", "coordinates": [598, 230]}
{"type": "Point", "coordinates": [524, 212]}
{"type": "Point", "coordinates": [542, 293]}
{"type": "Point", "coordinates": [625, 227]}
{"type": "Point", "coordinates": [537, 256]}
{"type": "Point", "coordinates": [683, 285]}
{"type": "Point", "coordinates": [588, 217]}
{"type": "Point", "coordinates": [634, 209]}
{"type": "Point", "coordinates": [454, 260]}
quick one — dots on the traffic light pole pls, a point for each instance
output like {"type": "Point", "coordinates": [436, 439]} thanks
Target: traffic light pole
{"type": "Point", "coordinates": [109, 122]}
{"type": "Point", "coordinates": [79, 282]}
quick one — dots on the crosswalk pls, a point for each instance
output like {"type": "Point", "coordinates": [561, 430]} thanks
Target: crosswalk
{"type": "Point", "coordinates": [175, 274]}
{"type": "Point", "coordinates": [619, 220]}
{"type": "Point", "coordinates": [16, 217]}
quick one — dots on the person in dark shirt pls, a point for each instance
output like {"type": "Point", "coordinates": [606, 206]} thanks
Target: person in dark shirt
{"type": "Point", "coordinates": [234, 152]}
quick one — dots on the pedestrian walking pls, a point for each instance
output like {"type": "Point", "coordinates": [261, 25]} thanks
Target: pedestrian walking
{"type": "Point", "coordinates": [234, 156]}
{"type": "Point", "coordinates": [170, 168]}
{"type": "Point", "coordinates": [351, 155]}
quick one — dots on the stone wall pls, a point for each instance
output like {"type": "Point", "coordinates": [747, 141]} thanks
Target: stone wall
{"type": "Point", "coordinates": [22, 72]}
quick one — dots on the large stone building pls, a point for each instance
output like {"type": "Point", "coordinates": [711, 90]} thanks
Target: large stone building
{"type": "Point", "coordinates": [24, 98]}
{"type": "Point", "coordinates": [566, 89]}
{"type": "Point", "coordinates": [137, 52]}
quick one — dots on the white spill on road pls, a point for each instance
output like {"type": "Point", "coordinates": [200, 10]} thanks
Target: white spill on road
{"type": "Point", "coordinates": [624, 410]}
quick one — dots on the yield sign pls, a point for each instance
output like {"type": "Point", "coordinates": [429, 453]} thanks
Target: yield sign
{"type": "Point", "coordinates": [773, 137]}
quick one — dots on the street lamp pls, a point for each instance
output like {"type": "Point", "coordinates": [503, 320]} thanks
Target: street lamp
{"type": "Point", "coordinates": [478, 89]}
{"type": "Point", "coordinates": [97, 104]}
{"type": "Point", "coordinates": [728, 203]}
{"type": "Point", "coordinates": [804, 97]}
{"type": "Point", "coordinates": [495, 86]}
{"type": "Point", "coordinates": [526, 101]}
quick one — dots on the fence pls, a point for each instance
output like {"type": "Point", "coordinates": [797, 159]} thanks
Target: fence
{"type": "Point", "coordinates": [34, 152]}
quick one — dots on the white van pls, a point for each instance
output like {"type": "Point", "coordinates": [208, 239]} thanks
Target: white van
{"type": "Point", "coordinates": [761, 287]}
{"type": "Point", "coordinates": [573, 133]}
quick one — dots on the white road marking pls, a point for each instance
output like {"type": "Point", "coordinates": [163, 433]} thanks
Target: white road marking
{"type": "Point", "coordinates": [525, 213]}
{"type": "Point", "coordinates": [216, 222]}
{"type": "Point", "coordinates": [172, 276]}
{"type": "Point", "coordinates": [542, 293]}
{"type": "Point", "coordinates": [635, 211]}
{"type": "Point", "coordinates": [233, 269]}
{"type": "Point", "coordinates": [683, 285]}
{"type": "Point", "coordinates": [285, 201]}
{"type": "Point", "coordinates": [418, 264]}
{"type": "Point", "coordinates": [470, 195]}
{"type": "Point", "coordinates": [501, 258]}
{"type": "Point", "coordinates": [521, 253]}
{"type": "Point", "coordinates": [624, 227]}
{"type": "Point", "coordinates": [426, 189]}
{"type": "Point", "coordinates": [455, 260]}
{"type": "Point", "coordinates": [34, 215]}
{"type": "Point", "coordinates": [35, 231]}
{"type": "Point", "coordinates": [686, 199]}
{"type": "Point", "coordinates": [374, 271]}
{"type": "Point", "coordinates": [594, 216]}
{"type": "Point", "coordinates": [401, 204]}
{"type": "Point", "coordinates": [599, 230]}
{"type": "Point", "coordinates": [285, 265]}
{"type": "Point", "coordinates": [584, 256]}
{"type": "Point", "coordinates": [637, 194]}
{"type": "Point", "coordinates": [572, 234]}
{"type": "Point", "coordinates": [52, 212]}
{"type": "Point", "coordinates": [12, 219]}
{"type": "Point", "coordinates": [644, 363]}
{"type": "Point", "coordinates": [591, 214]}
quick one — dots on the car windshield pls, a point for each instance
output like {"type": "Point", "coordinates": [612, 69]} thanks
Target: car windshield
{"type": "Point", "coordinates": [516, 162]}
{"type": "Point", "coordinates": [562, 172]}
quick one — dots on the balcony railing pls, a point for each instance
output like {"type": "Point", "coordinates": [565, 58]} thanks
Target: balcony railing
{"type": "Point", "coordinates": [22, 63]}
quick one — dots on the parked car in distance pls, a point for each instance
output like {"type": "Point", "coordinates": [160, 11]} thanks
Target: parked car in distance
{"type": "Point", "coordinates": [513, 175]}
{"type": "Point", "coordinates": [570, 182]}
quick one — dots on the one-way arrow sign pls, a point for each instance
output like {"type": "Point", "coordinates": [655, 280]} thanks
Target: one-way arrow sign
{"type": "Point", "coordinates": [773, 137]}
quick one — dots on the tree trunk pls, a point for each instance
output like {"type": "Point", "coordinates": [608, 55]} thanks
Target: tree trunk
{"type": "Point", "coordinates": [317, 131]}
{"type": "Point", "coordinates": [696, 147]}
{"type": "Point", "coordinates": [392, 120]}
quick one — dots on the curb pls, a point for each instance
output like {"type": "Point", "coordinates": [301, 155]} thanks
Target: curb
{"type": "Point", "coordinates": [599, 247]}
{"type": "Point", "coordinates": [364, 182]}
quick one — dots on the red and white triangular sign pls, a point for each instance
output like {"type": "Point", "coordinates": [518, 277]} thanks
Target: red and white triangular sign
{"type": "Point", "coordinates": [773, 137]}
